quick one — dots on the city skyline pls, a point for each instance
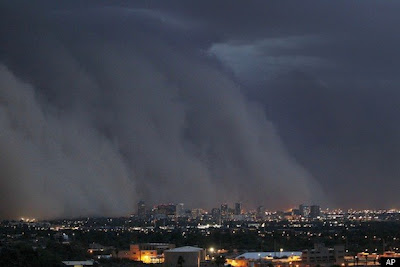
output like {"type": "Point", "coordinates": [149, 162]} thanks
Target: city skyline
{"type": "Point", "coordinates": [259, 103]}
{"type": "Point", "coordinates": [277, 239]}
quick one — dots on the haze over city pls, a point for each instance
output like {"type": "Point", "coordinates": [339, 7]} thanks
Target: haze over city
{"type": "Point", "coordinates": [104, 104]}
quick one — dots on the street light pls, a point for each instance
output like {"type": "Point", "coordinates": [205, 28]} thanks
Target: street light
{"type": "Point", "coordinates": [211, 253]}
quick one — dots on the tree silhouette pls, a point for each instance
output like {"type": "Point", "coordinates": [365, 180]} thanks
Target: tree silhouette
{"type": "Point", "coordinates": [181, 261]}
{"type": "Point", "coordinates": [220, 260]}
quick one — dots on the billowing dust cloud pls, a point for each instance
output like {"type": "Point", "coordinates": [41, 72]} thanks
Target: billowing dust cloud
{"type": "Point", "coordinates": [91, 123]}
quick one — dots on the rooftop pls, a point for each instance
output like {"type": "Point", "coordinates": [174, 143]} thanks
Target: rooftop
{"type": "Point", "coordinates": [73, 263]}
{"type": "Point", "coordinates": [185, 249]}
{"type": "Point", "coordinates": [258, 255]}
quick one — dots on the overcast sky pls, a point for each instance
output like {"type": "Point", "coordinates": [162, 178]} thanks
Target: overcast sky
{"type": "Point", "coordinates": [272, 103]}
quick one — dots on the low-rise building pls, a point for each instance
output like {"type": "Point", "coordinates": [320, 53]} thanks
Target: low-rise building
{"type": "Point", "coordinates": [146, 252]}
{"type": "Point", "coordinates": [391, 254]}
{"type": "Point", "coordinates": [323, 256]}
{"type": "Point", "coordinates": [184, 256]}
{"type": "Point", "coordinates": [99, 251]}
{"type": "Point", "coordinates": [369, 259]}
{"type": "Point", "coordinates": [258, 259]}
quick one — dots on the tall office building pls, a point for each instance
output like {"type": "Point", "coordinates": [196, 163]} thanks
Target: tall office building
{"type": "Point", "coordinates": [260, 212]}
{"type": "Point", "coordinates": [238, 208]}
{"type": "Point", "coordinates": [224, 209]}
{"type": "Point", "coordinates": [216, 215]}
{"type": "Point", "coordinates": [315, 211]}
{"type": "Point", "coordinates": [166, 209]}
{"type": "Point", "coordinates": [198, 213]}
{"type": "Point", "coordinates": [180, 210]}
{"type": "Point", "coordinates": [304, 210]}
{"type": "Point", "coordinates": [141, 208]}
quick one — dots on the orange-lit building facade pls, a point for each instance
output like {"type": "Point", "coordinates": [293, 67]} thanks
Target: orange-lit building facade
{"type": "Point", "coordinates": [264, 259]}
{"type": "Point", "coordinates": [146, 252]}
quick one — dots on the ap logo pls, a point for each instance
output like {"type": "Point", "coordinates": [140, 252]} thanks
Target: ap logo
{"type": "Point", "coordinates": [392, 262]}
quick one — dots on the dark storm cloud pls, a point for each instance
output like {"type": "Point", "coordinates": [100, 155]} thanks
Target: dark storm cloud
{"type": "Point", "coordinates": [327, 74]}
{"type": "Point", "coordinates": [103, 105]}
{"type": "Point", "coordinates": [189, 101]}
